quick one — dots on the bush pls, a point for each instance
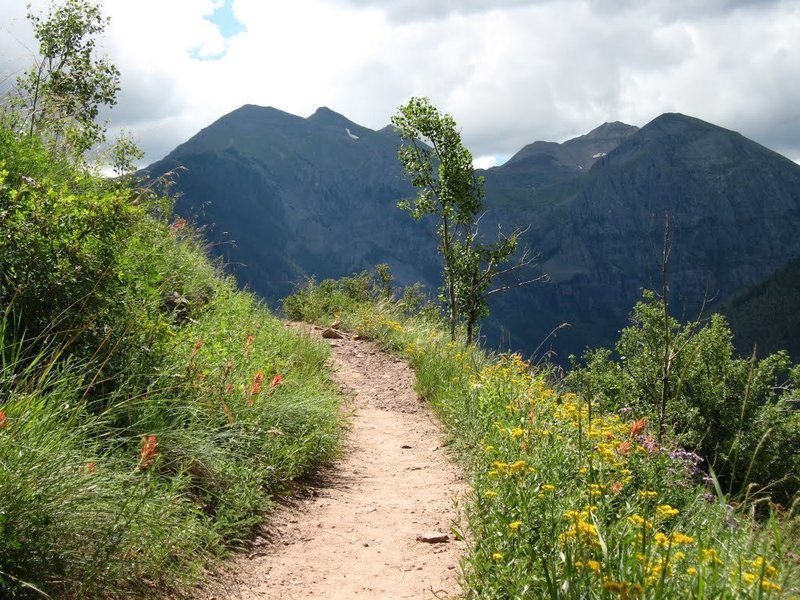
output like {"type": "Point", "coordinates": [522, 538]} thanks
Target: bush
{"type": "Point", "coordinates": [738, 414]}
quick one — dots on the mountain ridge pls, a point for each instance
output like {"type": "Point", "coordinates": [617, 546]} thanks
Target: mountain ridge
{"type": "Point", "coordinates": [317, 195]}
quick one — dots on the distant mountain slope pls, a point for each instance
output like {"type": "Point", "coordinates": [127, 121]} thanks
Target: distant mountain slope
{"type": "Point", "coordinates": [288, 197]}
{"type": "Point", "coordinates": [318, 195]}
{"type": "Point", "coordinates": [767, 315]}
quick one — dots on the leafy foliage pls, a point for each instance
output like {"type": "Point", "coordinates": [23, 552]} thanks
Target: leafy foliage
{"type": "Point", "coordinates": [738, 414]}
{"type": "Point", "coordinates": [439, 165]}
{"type": "Point", "coordinates": [61, 95]}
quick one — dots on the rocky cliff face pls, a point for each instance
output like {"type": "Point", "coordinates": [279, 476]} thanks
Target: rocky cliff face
{"type": "Point", "coordinates": [317, 196]}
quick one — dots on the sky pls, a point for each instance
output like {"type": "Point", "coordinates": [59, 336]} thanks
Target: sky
{"type": "Point", "coordinates": [509, 71]}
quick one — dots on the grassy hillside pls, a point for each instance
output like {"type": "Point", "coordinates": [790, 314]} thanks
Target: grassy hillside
{"type": "Point", "coordinates": [149, 410]}
{"type": "Point", "coordinates": [571, 496]}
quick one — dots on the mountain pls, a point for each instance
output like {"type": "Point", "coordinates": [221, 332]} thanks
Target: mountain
{"type": "Point", "coordinates": [317, 196]}
{"type": "Point", "coordinates": [767, 315]}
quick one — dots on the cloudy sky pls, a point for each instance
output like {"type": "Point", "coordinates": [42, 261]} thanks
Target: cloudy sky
{"type": "Point", "coordinates": [509, 71]}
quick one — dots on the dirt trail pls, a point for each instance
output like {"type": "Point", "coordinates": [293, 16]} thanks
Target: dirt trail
{"type": "Point", "coordinates": [356, 535]}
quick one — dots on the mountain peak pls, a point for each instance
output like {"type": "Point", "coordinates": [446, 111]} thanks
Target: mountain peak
{"type": "Point", "coordinates": [325, 115]}
{"type": "Point", "coordinates": [610, 130]}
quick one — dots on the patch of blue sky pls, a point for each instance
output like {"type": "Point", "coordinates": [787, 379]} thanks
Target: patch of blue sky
{"type": "Point", "coordinates": [225, 20]}
{"type": "Point", "coordinates": [227, 24]}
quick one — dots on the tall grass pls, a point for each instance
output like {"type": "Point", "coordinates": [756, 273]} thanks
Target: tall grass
{"type": "Point", "coordinates": [149, 411]}
{"type": "Point", "coordinates": [571, 501]}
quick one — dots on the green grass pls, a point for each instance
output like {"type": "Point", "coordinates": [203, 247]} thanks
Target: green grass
{"type": "Point", "coordinates": [150, 412]}
{"type": "Point", "coordinates": [569, 501]}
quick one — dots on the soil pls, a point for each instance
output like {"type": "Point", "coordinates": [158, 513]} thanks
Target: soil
{"type": "Point", "coordinates": [368, 526]}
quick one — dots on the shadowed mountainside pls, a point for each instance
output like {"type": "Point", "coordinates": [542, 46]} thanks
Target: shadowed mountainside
{"type": "Point", "coordinates": [317, 196]}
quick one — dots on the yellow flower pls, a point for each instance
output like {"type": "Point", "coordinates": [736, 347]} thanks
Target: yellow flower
{"type": "Point", "coordinates": [639, 521]}
{"type": "Point", "coordinates": [648, 494]}
{"type": "Point", "coordinates": [497, 556]}
{"type": "Point", "coordinates": [662, 540]}
{"type": "Point", "coordinates": [666, 511]}
{"type": "Point", "coordinates": [514, 525]}
{"type": "Point", "coordinates": [548, 487]}
{"type": "Point", "coordinates": [593, 565]}
{"type": "Point", "coordinates": [691, 571]}
{"type": "Point", "coordinates": [710, 555]}
{"type": "Point", "coordinates": [517, 432]}
{"type": "Point", "coordinates": [749, 578]}
{"type": "Point", "coordinates": [490, 493]}
{"type": "Point", "coordinates": [769, 586]}
{"type": "Point", "coordinates": [681, 538]}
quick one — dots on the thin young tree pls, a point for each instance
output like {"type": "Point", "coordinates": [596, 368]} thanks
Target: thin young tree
{"type": "Point", "coordinates": [439, 165]}
{"type": "Point", "coordinates": [61, 94]}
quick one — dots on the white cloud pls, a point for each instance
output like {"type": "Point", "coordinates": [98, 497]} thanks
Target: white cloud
{"type": "Point", "coordinates": [510, 71]}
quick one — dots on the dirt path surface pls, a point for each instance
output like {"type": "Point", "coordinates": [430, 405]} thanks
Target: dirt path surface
{"type": "Point", "coordinates": [358, 535]}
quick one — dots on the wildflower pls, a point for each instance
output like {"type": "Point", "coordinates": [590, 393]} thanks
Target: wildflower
{"type": "Point", "coordinates": [593, 565]}
{"type": "Point", "coordinates": [639, 521]}
{"type": "Point", "coordinates": [665, 511]}
{"type": "Point", "coordinates": [616, 487]}
{"type": "Point", "coordinates": [769, 586]}
{"type": "Point", "coordinates": [682, 538]}
{"type": "Point", "coordinates": [148, 451]}
{"type": "Point", "coordinates": [749, 578]}
{"type": "Point", "coordinates": [255, 388]}
{"type": "Point", "coordinates": [248, 343]}
{"type": "Point", "coordinates": [91, 467]}
{"type": "Point", "coordinates": [497, 556]}
{"type": "Point", "coordinates": [691, 571]}
{"type": "Point", "coordinates": [229, 389]}
{"type": "Point", "coordinates": [547, 487]}
{"type": "Point", "coordinates": [490, 493]}
{"type": "Point", "coordinates": [276, 381]}
{"type": "Point", "coordinates": [648, 494]}
{"type": "Point", "coordinates": [662, 540]}
{"type": "Point", "coordinates": [638, 426]}
{"type": "Point", "coordinates": [624, 448]}
{"type": "Point", "coordinates": [758, 564]}
{"type": "Point", "coordinates": [517, 432]}
{"type": "Point", "coordinates": [177, 226]}
{"type": "Point", "coordinates": [710, 555]}
{"type": "Point", "coordinates": [514, 525]}
{"type": "Point", "coordinates": [197, 345]}
{"type": "Point", "coordinates": [2, 419]}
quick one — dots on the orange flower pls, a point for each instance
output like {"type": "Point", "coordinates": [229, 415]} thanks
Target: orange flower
{"type": "Point", "coordinates": [197, 345]}
{"type": "Point", "coordinates": [177, 225]}
{"type": "Point", "coordinates": [255, 388]}
{"type": "Point", "coordinates": [276, 381]}
{"type": "Point", "coordinates": [229, 389]}
{"type": "Point", "coordinates": [2, 419]}
{"type": "Point", "coordinates": [148, 451]}
{"type": "Point", "coordinates": [91, 467]}
{"type": "Point", "coordinates": [638, 425]}
{"type": "Point", "coordinates": [615, 487]}
{"type": "Point", "coordinates": [624, 447]}
{"type": "Point", "coordinates": [248, 343]}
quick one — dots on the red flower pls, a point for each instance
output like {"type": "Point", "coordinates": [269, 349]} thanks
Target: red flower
{"type": "Point", "coordinates": [276, 381]}
{"type": "Point", "coordinates": [248, 343]}
{"type": "Point", "coordinates": [177, 225]}
{"type": "Point", "coordinates": [638, 426]}
{"type": "Point", "coordinates": [148, 451]}
{"type": "Point", "coordinates": [91, 467]}
{"type": "Point", "coordinates": [255, 388]}
{"type": "Point", "coordinates": [2, 419]}
{"type": "Point", "coordinates": [624, 447]}
{"type": "Point", "coordinates": [229, 389]}
{"type": "Point", "coordinates": [197, 345]}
